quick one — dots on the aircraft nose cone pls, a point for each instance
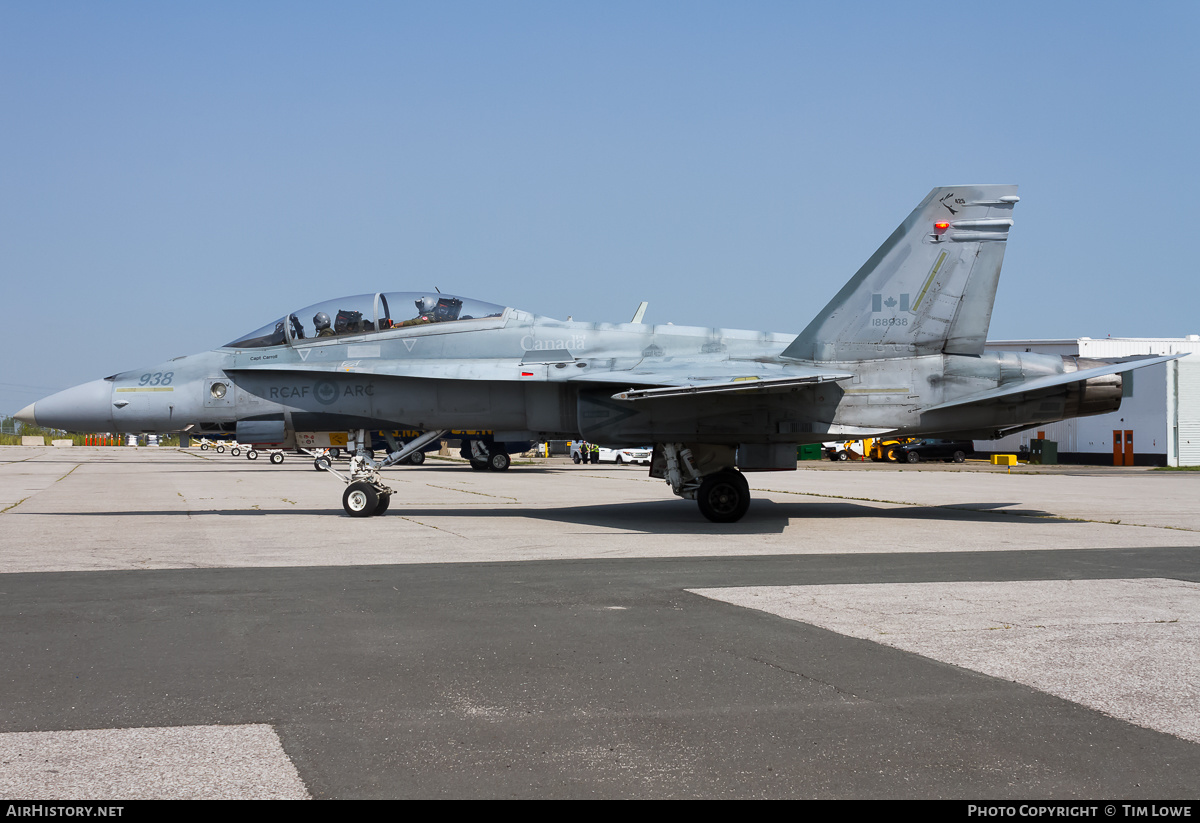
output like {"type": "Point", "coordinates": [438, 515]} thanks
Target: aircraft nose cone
{"type": "Point", "coordinates": [83, 408]}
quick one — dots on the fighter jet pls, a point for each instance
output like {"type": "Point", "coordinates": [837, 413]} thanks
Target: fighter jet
{"type": "Point", "coordinates": [898, 351]}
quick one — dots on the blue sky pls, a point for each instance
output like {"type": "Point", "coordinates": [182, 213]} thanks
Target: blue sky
{"type": "Point", "coordinates": [177, 174]}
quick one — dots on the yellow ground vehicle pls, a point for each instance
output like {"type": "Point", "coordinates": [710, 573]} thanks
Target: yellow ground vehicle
{"type": "Point", "coordinates": [884, 449]}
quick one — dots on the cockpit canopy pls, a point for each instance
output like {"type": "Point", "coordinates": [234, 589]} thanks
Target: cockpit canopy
{"type": "Point", "coordinates": [366, 314]}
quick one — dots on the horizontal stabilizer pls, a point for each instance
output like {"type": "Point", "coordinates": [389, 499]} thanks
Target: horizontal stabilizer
{"type": "Point", "coordinates": [1040, 383]}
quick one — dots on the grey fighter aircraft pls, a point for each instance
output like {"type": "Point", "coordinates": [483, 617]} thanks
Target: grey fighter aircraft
{"type": "Point", "coordinates": [898, 351]}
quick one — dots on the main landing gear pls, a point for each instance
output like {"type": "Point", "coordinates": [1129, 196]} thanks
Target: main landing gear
{"type": "Point", "coordinates": [365, 493]}
{"type": "Point", "coordinates": [482, 457]}
{"type": "Point", "coordinates": [721, 492]}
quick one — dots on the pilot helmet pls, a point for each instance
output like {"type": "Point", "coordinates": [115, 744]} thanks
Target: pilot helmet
{"type": "Point", "coordinates": [426, 304]}
{"type": "Point", "coordinates": [321, 320]}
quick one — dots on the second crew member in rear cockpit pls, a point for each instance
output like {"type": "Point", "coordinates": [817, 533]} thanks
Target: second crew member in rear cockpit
{"type": "Point", "coordinates": [425, 308]}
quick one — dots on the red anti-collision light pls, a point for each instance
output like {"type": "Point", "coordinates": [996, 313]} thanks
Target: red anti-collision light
{"type": "Point", "coordinates": [940, 227]}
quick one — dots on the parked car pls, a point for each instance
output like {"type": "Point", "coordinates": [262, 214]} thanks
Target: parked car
{"type": "Point", "coordinates": [618, 456]}
{"type": "Point", "coordinates": [949, 451]}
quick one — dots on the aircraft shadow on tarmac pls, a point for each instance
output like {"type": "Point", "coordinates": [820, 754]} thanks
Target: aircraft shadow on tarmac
{"type": "Point", "coordinates": [652, 517]}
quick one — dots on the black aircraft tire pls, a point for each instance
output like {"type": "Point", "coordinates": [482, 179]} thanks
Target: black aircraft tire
{"type": "Point", "coordinates": [913, 457]}
{"type": "Point", "coordinates": [321, 464]}
{"type": "Point", "coordinates": [500, 461]}
{"type": "Point", "coordinates": [479, 465]}
{"type": "Point", "coordinates": [277, 458]}
{"type": "Point", "coordinates": [416, 458]}
{"type": "Point", "coordinates": [360, 499]}
{"type": "Point", "coordinates": [384, 501]}
{"type": "Point", "coordinates": [724, 497]}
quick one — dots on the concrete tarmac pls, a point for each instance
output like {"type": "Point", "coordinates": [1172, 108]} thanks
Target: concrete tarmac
{"type": "Point", "coordinates": [576, 631]}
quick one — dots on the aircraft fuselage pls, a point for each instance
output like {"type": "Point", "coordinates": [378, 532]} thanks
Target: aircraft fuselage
{"type": "Point", "coordinates": [544, 378]}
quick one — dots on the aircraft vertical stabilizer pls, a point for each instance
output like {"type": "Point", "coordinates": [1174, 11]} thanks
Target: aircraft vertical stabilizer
{"type": "Point", "coordinates": [928, 289]}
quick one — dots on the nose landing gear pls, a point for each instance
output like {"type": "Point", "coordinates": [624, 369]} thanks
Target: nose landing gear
{"type": "Point", "coordinates": [365, 494]}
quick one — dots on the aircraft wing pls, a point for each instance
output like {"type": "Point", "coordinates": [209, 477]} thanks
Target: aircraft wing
{"type": "Point", "coordinates": [672, 381]}
{"type": "Point", "coordinates": [1039, 383]}
{"type": "Point", "coordinates": [676, 387]}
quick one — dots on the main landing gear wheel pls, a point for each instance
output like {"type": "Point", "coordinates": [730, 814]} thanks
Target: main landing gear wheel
{"type": "Point", "coordinates": [321, 464]}
{"type": "Point", "coordinates": [384, 501]}
{"type": "Point", "coordinates": [499, 462]}
{"type": "Point", "coordinates": [277, 458]}
{"type": "Point", "coordinates": [360, 499]}
{"type": "Point", "coordinates": [724, 497]}
{"type": "Point", "coordinates": [479, 465]}
{"type": "Point", "coordinates": [416, 458]}
{"type": "Point", "coordinates": [252, 455]}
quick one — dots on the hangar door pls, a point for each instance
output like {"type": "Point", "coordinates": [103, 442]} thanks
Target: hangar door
{"type": "Point", "coordinates": [1187, 414]}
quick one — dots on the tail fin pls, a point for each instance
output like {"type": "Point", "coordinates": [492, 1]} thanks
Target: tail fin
{"type": "Point", "coordinates": [928, 289]}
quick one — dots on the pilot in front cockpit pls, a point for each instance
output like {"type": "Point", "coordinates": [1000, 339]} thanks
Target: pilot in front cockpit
{"type": "Point", "coordinates": [321, 322]}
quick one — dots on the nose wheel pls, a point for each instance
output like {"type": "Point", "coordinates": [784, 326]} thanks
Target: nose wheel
{"type": "Point", "coordinates": [362, 499]}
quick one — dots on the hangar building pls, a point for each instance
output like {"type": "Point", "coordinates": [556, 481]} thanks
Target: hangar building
{"type": "Point", "coordinates": [1160, 406]}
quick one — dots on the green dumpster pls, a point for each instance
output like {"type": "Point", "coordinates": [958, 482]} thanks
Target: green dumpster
{"type": "Point", "coordinates": [810, 451]}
